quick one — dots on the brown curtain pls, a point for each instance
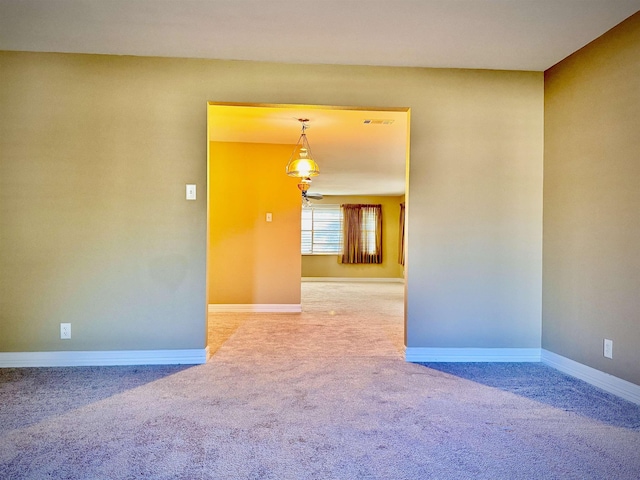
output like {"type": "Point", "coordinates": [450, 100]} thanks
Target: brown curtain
{"type": "Point", "coordinates": [401, 236]}
{"type": "Point", "coordinates": [362, 233]}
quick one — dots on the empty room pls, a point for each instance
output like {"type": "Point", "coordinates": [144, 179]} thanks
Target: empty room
{"type": "Point", "coordinates": [319, 239]}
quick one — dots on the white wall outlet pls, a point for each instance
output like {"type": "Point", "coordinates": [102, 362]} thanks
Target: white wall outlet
{"type": "Point", "coordinates": [191, 192]}
{"type": "Point", "coordinates": [608, 348]}
{"type": "Point", "coordinates": [269, 217]}
{"type": "Point", "coordinates": [65, 331]}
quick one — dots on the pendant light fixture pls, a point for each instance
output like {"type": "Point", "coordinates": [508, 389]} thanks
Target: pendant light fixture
{"type": "Point", "coordinates": [301, 163]}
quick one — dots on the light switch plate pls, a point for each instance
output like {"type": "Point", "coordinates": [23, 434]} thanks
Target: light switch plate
{"type": "Point", "coordinates": [191, 192]}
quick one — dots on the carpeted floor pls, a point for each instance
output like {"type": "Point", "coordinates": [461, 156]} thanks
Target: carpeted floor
{"type": "Point", "coordinates": [320, 395]}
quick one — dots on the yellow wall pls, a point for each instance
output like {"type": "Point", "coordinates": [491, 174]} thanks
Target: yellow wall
{"type": "Point", "coordinates": [329, 266]}
{"type": "Point", "coordinates": [95, 152]}
{"type": "Point", "coordinates": [252, 261]}
{"type": "Point", "coordinates": [592, 203]}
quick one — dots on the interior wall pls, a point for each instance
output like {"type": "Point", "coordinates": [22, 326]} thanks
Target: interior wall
{"type": "Point", "coordinates": [94, 157]}
{"type": "Point", "coordinates": [252, 261]}
{"type": "Point", "coordinates": [96, 150]}
{"type": "Point", "coordinates": [473, 271]}
{"type": "Point", "coordinates": [591, 204]}
{"type": "Point", "coordinates": [329, 266]}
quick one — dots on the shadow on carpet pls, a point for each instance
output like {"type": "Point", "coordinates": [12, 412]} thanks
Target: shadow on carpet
{"type": "Point", "coordinates": [31, 395]}
{"type": "Point", "coordinates": [541, 383]}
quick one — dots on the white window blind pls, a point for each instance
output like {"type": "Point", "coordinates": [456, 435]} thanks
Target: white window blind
{"type": "Point", "coordinates": [321, 230]}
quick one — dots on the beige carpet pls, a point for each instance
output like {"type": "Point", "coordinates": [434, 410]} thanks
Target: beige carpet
{"type": "Point", "coordinates": [349, 319]}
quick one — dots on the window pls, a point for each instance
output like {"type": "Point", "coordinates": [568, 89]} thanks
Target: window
{"type": "Point", "coordinates": [362, 233]}
{"type": "Point", "coordinates": [369, 228]}
{"type": "Point", "coordinates": [321, 230]}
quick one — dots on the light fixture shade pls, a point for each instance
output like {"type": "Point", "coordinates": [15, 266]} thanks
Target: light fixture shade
{"type": "Point", "coordinates": [303, 168]}
{"type": "Point", "coordinates": [301, 164]}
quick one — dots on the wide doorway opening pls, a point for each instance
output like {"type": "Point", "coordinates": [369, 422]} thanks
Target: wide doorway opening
{"type": "Point", "coordinates": [257, 260]}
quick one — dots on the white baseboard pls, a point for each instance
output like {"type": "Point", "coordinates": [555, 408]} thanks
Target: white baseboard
{"type": "Point", "coordinates": [255, 308]}
{"type": "Point", "coordinates": [617, 386]}
{"type": "Point", "coordinates": [422, 354]}
{"type": "Point", "coordinates": [353, 279]}
{"type": "Point", "coordinates": [103, 358]}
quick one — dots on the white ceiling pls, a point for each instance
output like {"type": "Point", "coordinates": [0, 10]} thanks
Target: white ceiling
{"type": "Point", "coordinates": [488, 34]}
{"type": "Point", "coordinates": [355, 157]}
{"type": "Point", "coordinates": [492, 34]}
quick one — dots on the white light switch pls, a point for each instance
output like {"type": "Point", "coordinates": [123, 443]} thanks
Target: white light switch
{"type": "Point", "coordinates": [269, 217]}
{"type": "Point", "coordinates": [191, 192]}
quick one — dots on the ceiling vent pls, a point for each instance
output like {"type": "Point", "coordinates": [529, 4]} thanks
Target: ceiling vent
{"type": "Point", "coordinates": [378, 121]}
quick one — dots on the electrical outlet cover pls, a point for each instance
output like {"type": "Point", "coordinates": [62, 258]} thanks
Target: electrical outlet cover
{"type": "Point", "coordinates": [65, 331]}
